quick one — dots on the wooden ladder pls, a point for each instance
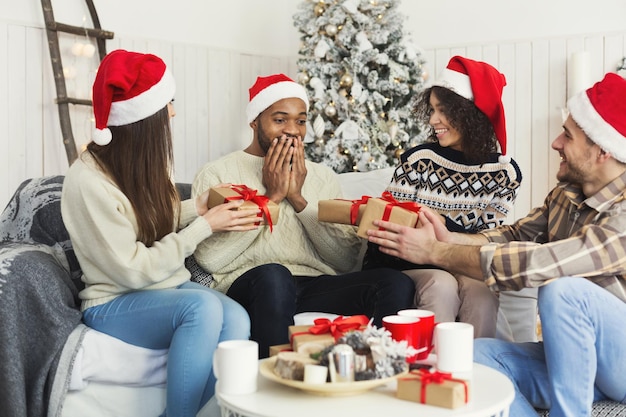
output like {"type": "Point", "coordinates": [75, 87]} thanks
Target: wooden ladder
{"type": "Point", "coordinates": [62, 100]}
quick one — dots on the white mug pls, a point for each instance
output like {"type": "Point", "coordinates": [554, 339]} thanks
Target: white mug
{"type": "Point", "coordinates": [236, 366]}
{"type": "Point", "coordinates": [455, 347]}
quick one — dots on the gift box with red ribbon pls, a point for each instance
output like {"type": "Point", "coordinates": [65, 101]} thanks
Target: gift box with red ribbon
{"type": "Point", "coordinates": [438, 389]}
{"type": "Point", "coordinates": [323, 333]}
{"type": "Point", "coordinates": [274, 350]}
{"type": "Point", "coordinates": [252, 199]}
{"type": "Point", "coordinates": [341, 211]}
{"type": "Point", "coordinates": [389, 209]}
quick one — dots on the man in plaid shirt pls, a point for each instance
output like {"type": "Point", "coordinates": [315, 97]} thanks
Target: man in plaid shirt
{"type": "Point", "coordinates": [573, 248]}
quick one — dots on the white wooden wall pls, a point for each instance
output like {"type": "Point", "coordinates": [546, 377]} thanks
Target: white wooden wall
{"type": "Point", "coordinates": [212, 91]}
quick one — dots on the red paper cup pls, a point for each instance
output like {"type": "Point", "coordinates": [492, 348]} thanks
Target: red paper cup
{"type": "Point", "coordinates": [404, 328]}
{"type": "Point", "coordinates": [426, 327]}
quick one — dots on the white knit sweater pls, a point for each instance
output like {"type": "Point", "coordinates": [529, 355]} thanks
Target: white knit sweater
{"type": "Point", "coordinates": [298, 241]}
{"type": "Point", "coordinates": [103, 229]}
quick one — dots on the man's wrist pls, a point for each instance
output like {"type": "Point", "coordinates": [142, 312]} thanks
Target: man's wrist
{"type": "Point", "coordinates": [298, 203]}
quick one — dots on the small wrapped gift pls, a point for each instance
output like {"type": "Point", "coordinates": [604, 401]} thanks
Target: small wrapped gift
{"type": "Point", "coordinates": [433, 388]}
{"type": "Point", "coordinates": [269, 209]}
{"type": "Point", "coordinates": [341, 211]}
{"type": "Point", "coordinates": [323, 333]}
{"type": "Point", "coordinates": [279, 348]}
{"type": "Point", "coordinates": [389, 209]}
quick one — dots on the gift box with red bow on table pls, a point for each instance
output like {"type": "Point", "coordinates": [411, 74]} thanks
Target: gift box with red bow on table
{"type": "Point", "coordinates": [341, 211]}
{"type": "Point", "coordinates": [323, 333]}
{"type": "Point", "coordinates": [389, 209]}
{"type": "Point", "coordinates": [252, 199]}
{"type": "Point", "coordinates": [433, 388]}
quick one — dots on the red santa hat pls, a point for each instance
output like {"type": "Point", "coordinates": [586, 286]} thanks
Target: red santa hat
{"type": "Point", "coordinates": [268, 90]}
{"type": "Point", "coordinates": [481, 83]}
{"type": "Point", "coordinates": [129, 87]}
{"type": "Point", "coordinates": [601, 114]}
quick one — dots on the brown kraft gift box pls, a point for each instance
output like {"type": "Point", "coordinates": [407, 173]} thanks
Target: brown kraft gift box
{"type": "Point", "coordinates": [304, 342]}
{"type": "Point", "coordinates": [219, 195]}
{"type": "Point", "coordinates": [274, 350]}
{"type": "Point", "coordinates": [340, 211]}
{"type": "Point", "coordinates": [447, 393]}
{"type": "Point", "coordinates": [375, 210]}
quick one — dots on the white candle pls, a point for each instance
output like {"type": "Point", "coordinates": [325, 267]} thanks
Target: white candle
{"type": "Point", "coordinates": [578, 73]}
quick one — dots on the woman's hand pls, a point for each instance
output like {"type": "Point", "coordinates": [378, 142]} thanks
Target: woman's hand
{"type": "Point", "coordinates": [202, 200]}
{"type": "Point", "coordinates": [223, 218]}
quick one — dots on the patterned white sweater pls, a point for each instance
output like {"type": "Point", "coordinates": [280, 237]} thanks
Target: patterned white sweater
{"type": "Point", "coordinates": [472, 197]}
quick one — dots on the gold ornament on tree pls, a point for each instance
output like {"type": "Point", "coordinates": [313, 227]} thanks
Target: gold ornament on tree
{"type": "Point", "coordinates": [303, 78]}
{"type": "Point", "coordinates": [319, 9]}
{"type": "Point", "coordinates": [346, 81]}
{"type": "Point", "coordinates": [331, 30]}
{"type": "Point", "coordinates": [330, 110]}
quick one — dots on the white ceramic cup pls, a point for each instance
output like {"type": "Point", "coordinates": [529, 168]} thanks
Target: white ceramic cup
{"type": "Point", "coordinates": [315, 374]}
{"type": "Point", "coordinates": [236, 366]}
{"type": "Point", "coordinates": [455, 347]}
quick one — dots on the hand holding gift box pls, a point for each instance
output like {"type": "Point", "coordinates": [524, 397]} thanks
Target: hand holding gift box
{"type": "Point", "coordinates": [342, 211]}
{"type": "Point", "coordinates": [433, 388]}
{"type": "Point", "coordinates": [269, 209]}
{"type": "Point", "coordinates": [389, 209]}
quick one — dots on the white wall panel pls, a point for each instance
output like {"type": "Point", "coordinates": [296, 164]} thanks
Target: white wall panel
{"type": "Point", "coordinates": [7, 183]}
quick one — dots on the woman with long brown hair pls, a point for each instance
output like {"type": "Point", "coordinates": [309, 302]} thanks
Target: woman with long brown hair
{"type": "Point", "coordinates": [131, 233]}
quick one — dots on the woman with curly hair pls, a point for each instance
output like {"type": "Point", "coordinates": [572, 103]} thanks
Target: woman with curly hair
{"type": "Point", "coordinates": [460, 174]}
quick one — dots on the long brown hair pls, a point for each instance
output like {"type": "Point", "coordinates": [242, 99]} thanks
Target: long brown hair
{"type": "Point", "coordinates": [139, 159]}
{"type": "Point", "coordinates": [477, 134]}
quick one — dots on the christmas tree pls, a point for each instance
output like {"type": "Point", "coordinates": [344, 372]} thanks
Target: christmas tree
{"type": "Point", "coordinates": [361, 72]}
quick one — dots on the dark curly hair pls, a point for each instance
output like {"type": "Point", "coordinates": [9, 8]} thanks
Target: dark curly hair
{"type": "Point", "coordinates": [477, 134]}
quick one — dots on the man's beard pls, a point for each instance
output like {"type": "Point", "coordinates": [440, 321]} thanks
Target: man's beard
{"type": "Point", "coordinates": [573, 174]}
{"type": "Point", "coordinates": [264, 140]}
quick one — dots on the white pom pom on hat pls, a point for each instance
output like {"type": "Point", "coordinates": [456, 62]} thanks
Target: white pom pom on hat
{"type": "Point", "coordinates": [268, 90]}
{"type": "Point", "coordinates": [483, 84]}
{"type": "Point", "coordinates": [600, 111]}
{"type": "Point", "coordinates": [129, 87]}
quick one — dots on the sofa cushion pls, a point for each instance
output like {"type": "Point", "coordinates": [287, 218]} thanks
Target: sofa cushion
{"type": "Point", "coordinates": [354, 185]}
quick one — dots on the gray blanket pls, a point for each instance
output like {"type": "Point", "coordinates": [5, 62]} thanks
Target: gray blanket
{"type": "Point", "coordinates": [39, 285]}
{"type": "Point", "coordinates": [41, 329]}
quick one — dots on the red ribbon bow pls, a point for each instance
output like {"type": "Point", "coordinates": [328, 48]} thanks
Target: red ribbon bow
{"type": "Point", "coordinates": [426, 377]}
{"type": "Point", "coordinates": [248, 194]}
{"type": "Point", "coordinates": [354, 209]}
{"type": "Point", "coordinates": [339, 326]}
{"type": "Point", "coordinates": [392, 202]}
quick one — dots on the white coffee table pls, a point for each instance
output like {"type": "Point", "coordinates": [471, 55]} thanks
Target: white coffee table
{"type": "Point", "coordinates": [492, 394]}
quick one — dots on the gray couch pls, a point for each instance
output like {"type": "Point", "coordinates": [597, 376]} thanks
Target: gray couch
{"type": "Point", "coordinates": [39, 285]}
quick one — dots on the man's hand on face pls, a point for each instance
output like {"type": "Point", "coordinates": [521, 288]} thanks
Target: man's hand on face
{"type": "Point", "coordinates": [277, 168]}
{"type": "Point", "coordinates": [297, 177]}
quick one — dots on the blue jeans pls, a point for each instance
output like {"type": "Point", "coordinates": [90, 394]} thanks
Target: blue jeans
{"type": "Point", "coordinates": [582, 358]}
{"type": "Point", "coordinates": [272, 295]}
{"type": "Point", "coordinates": [189, 321]}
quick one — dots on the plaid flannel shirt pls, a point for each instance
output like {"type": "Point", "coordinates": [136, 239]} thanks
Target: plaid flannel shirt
{"type": "Point", "coordinates": [569, 235]}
